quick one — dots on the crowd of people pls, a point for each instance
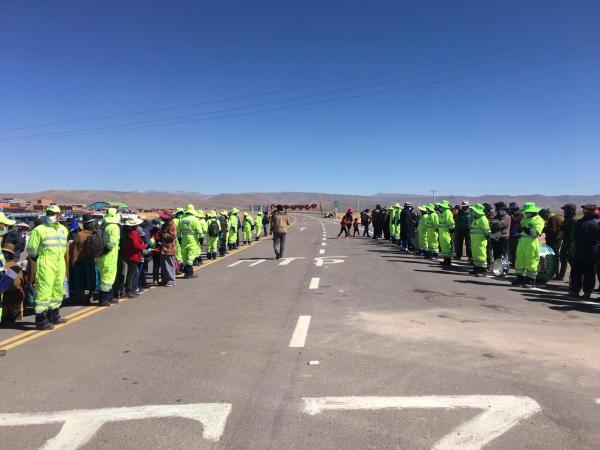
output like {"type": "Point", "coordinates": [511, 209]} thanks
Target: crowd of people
{"type": "Point", "coordinates": [495, 238]}
{"type": "Point", "coordinates": [111, 257]}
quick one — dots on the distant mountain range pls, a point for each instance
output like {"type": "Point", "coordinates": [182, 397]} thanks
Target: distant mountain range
{"type": "Point", "coordinates": [157, 199]}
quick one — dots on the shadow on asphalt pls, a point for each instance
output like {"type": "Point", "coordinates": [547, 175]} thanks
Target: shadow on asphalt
{"type": "Point", "coordinates": [556, 300]}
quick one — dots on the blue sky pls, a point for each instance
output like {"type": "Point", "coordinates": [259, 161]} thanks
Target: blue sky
{"type": "Point", "coordinates": [482, 97]}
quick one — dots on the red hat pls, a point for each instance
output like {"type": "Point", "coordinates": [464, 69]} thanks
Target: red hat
{"type": "Point", "coordinates": [166, 215]}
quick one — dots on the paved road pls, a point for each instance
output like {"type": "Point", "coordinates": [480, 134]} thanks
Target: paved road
{"type": "Point", "coordinates": [409, 356]}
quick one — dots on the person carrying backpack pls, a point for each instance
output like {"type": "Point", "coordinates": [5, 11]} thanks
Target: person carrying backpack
{"type": "Point", "coordinates": [83, 251]}
{"type": "Point", "coordinates": [212, 235]}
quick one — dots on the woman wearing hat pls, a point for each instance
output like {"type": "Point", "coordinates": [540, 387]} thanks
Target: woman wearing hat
{"type": "Point", "coordinates": [528, 249]}
{"type": "Point", "coordinates": [432, 221]}
{"type": "Point", "coordinates": [7, 277]}
{"type": "Point", "coordinates": [132, 254]}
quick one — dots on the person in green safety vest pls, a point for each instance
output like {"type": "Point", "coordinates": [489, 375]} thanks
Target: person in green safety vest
{"type": "Point", "coordinates": [109, 260]}
{"type": "Point", "coordinates": [422, 230]}
{"type": "Point", "coordinates": [528, 249]}
{"type": "Point", "coordinates": [445, 230]}
{"type": "Point", "coordinates": [479, 233]}
{"type": "Point", "coordinates": [247, 226]}
{"type": "Point", "coordinates": [258, 225]}
{"type": "Point", "coordinates": [431, 223]}
{"type": "Point", "coordinates": [47, 246]}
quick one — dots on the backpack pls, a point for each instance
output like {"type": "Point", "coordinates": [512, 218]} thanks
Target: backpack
{"type": "Point", "coordinates": [213, 228]}
{"type": "Point", "coordinates": [93, 246]}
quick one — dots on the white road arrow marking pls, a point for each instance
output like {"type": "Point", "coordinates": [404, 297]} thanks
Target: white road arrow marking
{"type": "Point", "coordinates": [320, 260]}
{"type": "Point", "coordinates": [501, 412]}
{"type": "Point", "coordinates": [286, 261]}
{"type": "Point", "coordinates": [80, 425]}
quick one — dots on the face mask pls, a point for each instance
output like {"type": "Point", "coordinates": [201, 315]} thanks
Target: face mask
{"type": "Point", "coordinates": [51, 219]}
{"type": "Point", "coordinates": [3, 231]}
{"type": "Point", "coordinates": [502, 212]}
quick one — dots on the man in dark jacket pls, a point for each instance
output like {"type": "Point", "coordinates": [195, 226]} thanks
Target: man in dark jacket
{"type": "Point", "coordinates": [463, 220]}
{"type": "Point", "coordinates": [365, 219]}
{"type": "Point", "coordinates": [386, 223]}
{"type": "Point", "coordinates": [586, 245]}
{"type": "Point", "coordinates": [16, 237]}
{"type": "Point", "coordinates": [554, 236]}
{"type": "Point", "coordinates": [567, 228]}
{"type": "Point", "coordinates": [500, 228]}
{"type": "Point", "coordinates": [377, 219]}
{"type": "Point", "coordinates": [408, 221]}
{"type": "Point", "coordinates": [515, 231]}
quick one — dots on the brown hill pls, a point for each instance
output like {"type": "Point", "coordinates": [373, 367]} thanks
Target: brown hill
{"type": "Point", "coordinates": [155, 199]}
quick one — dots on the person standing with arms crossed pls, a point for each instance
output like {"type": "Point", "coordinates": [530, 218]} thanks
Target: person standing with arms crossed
{"type": "Point", "coordinates": [280, 222]}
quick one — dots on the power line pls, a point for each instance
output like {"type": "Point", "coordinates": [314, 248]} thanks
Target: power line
{"type": "Point", "coordinates": [273, 92]}
{"type": "Point", "coordinates": [118, 127]}
{"type": "Point", "coordinates": [386, 91]}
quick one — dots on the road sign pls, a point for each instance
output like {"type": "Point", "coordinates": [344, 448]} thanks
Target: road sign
{"type": "Point", "coordinates": [336, 204]}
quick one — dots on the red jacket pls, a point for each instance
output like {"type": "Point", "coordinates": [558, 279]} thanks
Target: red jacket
{"type": "Point", "coordinates": [132, 250]}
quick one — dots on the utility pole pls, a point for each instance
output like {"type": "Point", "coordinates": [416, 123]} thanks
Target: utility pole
{"type": "Point", "coordinates": [433, 191]}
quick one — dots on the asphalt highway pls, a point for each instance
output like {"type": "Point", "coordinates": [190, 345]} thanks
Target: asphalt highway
{"type": "Point", "coordinates": [342, 344]}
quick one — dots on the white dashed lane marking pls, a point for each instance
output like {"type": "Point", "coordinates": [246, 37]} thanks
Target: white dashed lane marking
{"type": "Point", "coordinates": [314, 283]}
{"type": "Point", "coordinates": [300, 332]}
{"type": "Point", "coordinates": [322, 251]}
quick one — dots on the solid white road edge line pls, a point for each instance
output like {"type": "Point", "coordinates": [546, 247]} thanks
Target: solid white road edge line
{"type": "Point", "coordinates": [314, 283]}
{"type": "Point", "coordinates": [300, 332]}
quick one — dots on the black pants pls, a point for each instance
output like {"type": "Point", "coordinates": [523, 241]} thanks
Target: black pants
{"type": "Point", "coordinates": [279, 243]}
{"type": "Point", "coordinates": [583, 275]}
{"type": "Point", "coordinates": [500, 248]}
{"type": "Point", "coordinates": [366, 231]}
{"type": "Point", "coordinates": [556, 247]}
{"type": "Point", "coordinates": [462, 238]}
{"type": "Point", "coordinates": [343, 230]}
{"type": "Point", "coordinates": [376, 230]}
{"type": "Point", "coordinates": [513, 242]}
{"type": "Point", "coordinates": [132, 278]}
{"type": "Point", "coordinates": [564, 258]}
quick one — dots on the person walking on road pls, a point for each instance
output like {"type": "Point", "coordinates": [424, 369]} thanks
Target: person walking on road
{"type": "Point", "coordinates": [462, 238]}
{"type": "Point", "coordinates": [586, 250]}
{"type": "Point", "coordinates": [479, 234]}
{"type": "Point", "coordinates": [377, 219]}
{"type": "Point", "coordinates": [190, 232]}
{"type": "Point", "coordinates": [280, 222]}
{"type": "Point", "coordinates": [212, 235]}
{"type": "Point", "coordinates": [47, 247]}
{"type": "Point", "coordinates": [345, 224]}
{"type": "Point", "coordinates": [528, 250]}
{"type": "Point", "coordinates": [365, 220]}
{"type": "Point", "coordinates": [234, 226]}
{"type": "Point", "coordinates": [266, 220]}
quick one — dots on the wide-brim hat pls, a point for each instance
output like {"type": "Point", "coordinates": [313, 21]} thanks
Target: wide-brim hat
{"type": "Point", "coordinates": [5, 220]}
{"type": "Point", "coordinates": [430, 207]}
{"type": "Point", "coordinates": [444, 204]}
{"type": "Point", "coordinates": [478, 208]}
{"type": "Point", "coordinates": [589, 207]}
{"type": "Point", "coordinates": [569, 207]}
{"type": "Point", "coordinates": [500, 205]}
{"type": "Point", "coordinates": [529, 207]}
{"type": "Point", "coordinates": [22, 225]}
{"type": "Point", "coordinates": [422, 208]}
{"type": "Point", "coordinates": [465, 203]}
{"type": "Point", "coordinates": [133, 222]}
{"type": "Point", "coordinates": [189, 210]}
{"type": "Point", "coordinates": [9, 248]}
{"type": "Point", "coordinates": [212, 214]}
{"type": "Point", "coordinates": [166, 215]}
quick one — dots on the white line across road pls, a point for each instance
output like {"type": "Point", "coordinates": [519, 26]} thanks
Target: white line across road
{"type": "Point", "coordinates": [314, 283]}
{"type": "Point", "coordinates": [322, 251]}
{"type": "Point", "coordinates": [324, 244]}
{"type": "Point", "coordinates": [299, 336]}
{"type": "Point", "coordinates": [500, 413]}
